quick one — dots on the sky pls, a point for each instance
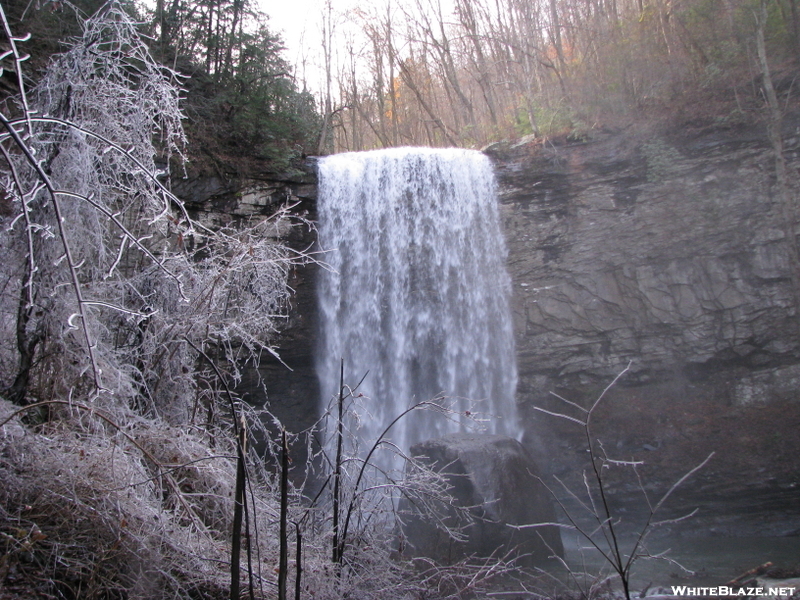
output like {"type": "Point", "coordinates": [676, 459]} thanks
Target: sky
{"type": "Point", "coordinates": [299, 24]}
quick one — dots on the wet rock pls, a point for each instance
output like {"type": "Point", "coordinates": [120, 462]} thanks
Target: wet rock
{"type": "Point", "coordinates": [762, 386]}
{"type": "Point", "coordinates": [493, 479]}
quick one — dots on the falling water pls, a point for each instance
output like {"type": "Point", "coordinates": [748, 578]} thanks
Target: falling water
{"type": "Point", "coordinates": [417, 292]}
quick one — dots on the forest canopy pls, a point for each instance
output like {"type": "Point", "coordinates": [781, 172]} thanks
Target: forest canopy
{"type": "Point", "coordinates": [460, 73]}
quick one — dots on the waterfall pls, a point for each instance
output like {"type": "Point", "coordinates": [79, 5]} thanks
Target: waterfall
{"type": "Point", "coordinates": [417, 292]}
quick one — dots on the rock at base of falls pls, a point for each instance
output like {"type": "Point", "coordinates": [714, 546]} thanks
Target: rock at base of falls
{"type": "Point", "coordinates": [493, 484]}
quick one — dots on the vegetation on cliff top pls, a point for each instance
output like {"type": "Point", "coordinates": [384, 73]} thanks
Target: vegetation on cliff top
{"type": "Point", "coordinates": [245, 112]}
{"type": "Point", "coordinates": [490, 70]}
{"type": "Point", "coordinates": [465, 73]}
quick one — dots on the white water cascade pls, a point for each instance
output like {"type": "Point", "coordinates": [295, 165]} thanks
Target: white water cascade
{"type": "Point", "coordinates": [417, 292]}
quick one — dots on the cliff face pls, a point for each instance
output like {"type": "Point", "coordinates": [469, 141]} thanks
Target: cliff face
{"type": "Point", "coordinates": [669, 253]}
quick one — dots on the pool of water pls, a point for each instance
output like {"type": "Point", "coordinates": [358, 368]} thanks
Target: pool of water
{"type": "Point", "coordinates": [689, 560]}
{"type": "Point", "coordinates": [727, 535]}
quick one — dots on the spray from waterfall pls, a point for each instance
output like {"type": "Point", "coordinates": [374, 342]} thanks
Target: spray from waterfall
{"type": "Point", "coordinates": [417, 292]}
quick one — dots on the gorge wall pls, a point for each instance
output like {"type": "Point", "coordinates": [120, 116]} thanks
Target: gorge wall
{"type": "Point", "coordinates": [667, 252]}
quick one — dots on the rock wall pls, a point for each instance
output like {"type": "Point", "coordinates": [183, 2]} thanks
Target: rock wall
{"type": "Point", "coordinates": [666, 252]}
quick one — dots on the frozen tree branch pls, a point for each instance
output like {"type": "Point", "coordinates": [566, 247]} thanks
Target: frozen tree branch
{"type": "Point", "coordinates": [93, 216]}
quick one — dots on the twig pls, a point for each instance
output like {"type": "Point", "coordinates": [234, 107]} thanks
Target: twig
{"type": "Point", "coordinates": [283, 535]}
{"type": "Point", "coordinates": [610, 546]}
{"type": "Point", "coordinates": [73, 270]}
{"type": "Point", "coordinates": [172, 484]}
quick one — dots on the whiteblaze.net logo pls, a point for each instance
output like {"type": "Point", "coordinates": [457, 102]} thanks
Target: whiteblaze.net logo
{"type": "Point", "coordinates": [724, 590]}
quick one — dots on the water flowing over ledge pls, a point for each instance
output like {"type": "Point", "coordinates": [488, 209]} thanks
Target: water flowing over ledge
{"type": "Point", "coordinates": [417, 292]}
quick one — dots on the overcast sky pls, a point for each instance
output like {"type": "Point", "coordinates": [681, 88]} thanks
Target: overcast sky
{"type": "Point", "coordinates": [298, 23]}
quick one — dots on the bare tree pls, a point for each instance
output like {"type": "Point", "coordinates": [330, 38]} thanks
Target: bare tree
{"type": "Point", "coordinates": [605, 527]}
{"type": "Point", "coordinates": [505, 68]}
{"type": "Point", "coordinates": [775, 134]}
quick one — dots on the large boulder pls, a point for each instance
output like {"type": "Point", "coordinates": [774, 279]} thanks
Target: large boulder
{"type": "Point", "coordinates": [493, 483]}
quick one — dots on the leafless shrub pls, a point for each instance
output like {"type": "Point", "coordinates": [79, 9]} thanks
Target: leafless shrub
{"type": "Point", "coordinates": [111, 518]}
{"type": "Point", "coordinates": [604, 533]}
{"type": "Point", "coordinates": [110, 294]}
